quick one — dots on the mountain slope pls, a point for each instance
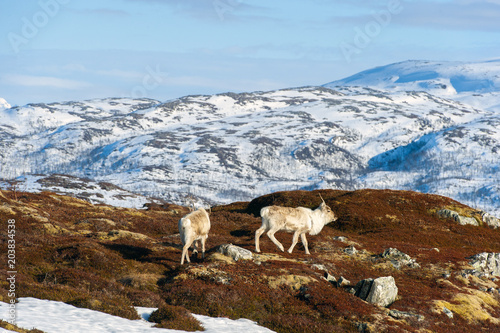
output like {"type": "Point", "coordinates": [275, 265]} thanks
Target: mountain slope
{"type": "Point", "coordinates": [230, 147]}
{"type": "Point", "coordinates": [227, 147]}
{"type": "Point", "coordinates": [474, 83]}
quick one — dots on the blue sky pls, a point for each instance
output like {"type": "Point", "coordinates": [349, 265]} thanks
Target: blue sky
{"type": "Point", "coordinates": [59, 50]}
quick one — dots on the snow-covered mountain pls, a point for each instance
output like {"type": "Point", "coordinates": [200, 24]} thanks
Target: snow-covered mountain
{"type": "Point", "coordinates": [229, 147]}
{"type": "Point", "coordinates": [3, 104]}
{"type": "Point", "coordinates": [81, 188]}
{"type": "Point", "coordinates": [474, 83]}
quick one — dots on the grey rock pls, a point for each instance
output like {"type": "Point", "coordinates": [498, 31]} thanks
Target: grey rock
{"type": "Point", "coordinates": [447, 312]}
{"type": "Point", "coordinates": [342, 282]}
{"type": "Point", "coordinates": [462, 220]}
{"type": "Point", "coordinates": [381, 291]}
{"type": "Point", "coordinates": [350, 250]}
{"type": "Point", "coordinates": [235, 252]}
{"type": "Point", "coordinates": [399, 259]}
{"type": "Point", "coordinates": [490, 220]}
{"type": "Point", "coordinates": [330, 278]}
{"type": "Point", "coordinates": [319, 267]}
{"type": "Point", "coordinates": [363, 288]}
{"type": "Point", "coordinates": [405, 315]}
{"type": "Point", "coordinates": [486, 263]}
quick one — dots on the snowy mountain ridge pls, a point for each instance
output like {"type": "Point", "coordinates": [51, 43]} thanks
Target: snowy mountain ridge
{"type": "Point", "coordinates": [4, 105]}
{"type": "Point", "coordinates": [228, 147]}
{"type": "Point", "coordinates": [474, 83]}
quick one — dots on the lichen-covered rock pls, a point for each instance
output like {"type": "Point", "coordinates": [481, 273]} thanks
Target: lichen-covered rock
{"type": "Point", "coordinates": [487, 263]}
{"type": "Point", "coordinates": [447, 312]}
{"type": "Point", "coordinates": [381, 291]}
{"type": "Point", "coordinates": [490, 220]}
{"type": "Point", "coordinates": [342, 282]}
{"type": "Point", "coordinates": [351, 250]}
{"type": "Point", "coordinates": [402, 315]}
{"type": "Point", "coordinates": [235, 252]}
{"type": "Point", "coordinates": [399, 259]}
{"type": "Point", "coordinates": [462, 220]}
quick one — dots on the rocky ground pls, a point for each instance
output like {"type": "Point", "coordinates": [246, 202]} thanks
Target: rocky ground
{"type": "Point", "coordinates": [394, 261]}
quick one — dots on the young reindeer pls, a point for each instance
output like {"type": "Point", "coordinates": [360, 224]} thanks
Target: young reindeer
{"type": "Point", "coordinates": [193, 227]}
{"type": "Point", "coordinates": [298, 220]}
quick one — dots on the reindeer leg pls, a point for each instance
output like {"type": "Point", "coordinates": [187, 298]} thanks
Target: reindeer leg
{"type": "Point", "coordinates": [185, 253]}
{"type": "Point", "coordinates": [304, 242]}
{"type": "Point", "coordinates": [195, 247]}
{"type": "Point", "coordinates": [258, 233]}
{"type": "Point", "coordinates": [203, 240]}
{"type": "Point", "coordinates": [294, 241]}
{"type": "Point", "coordinates": [270, 234]}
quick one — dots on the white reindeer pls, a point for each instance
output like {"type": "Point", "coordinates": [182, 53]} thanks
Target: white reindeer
{"type": "Point", "coordinates": [193, 227]}
{"type": "Point", "coordinates": [298, 220]}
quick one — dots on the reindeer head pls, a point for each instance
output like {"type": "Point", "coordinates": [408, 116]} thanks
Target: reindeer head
{"type": "Point", "coordinates": [327, 212]}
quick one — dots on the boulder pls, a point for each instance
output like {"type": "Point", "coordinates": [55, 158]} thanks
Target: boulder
{"type": "Point", "coordinates": [235, 252]}
{"type": "Point", "coordinates": [490, 220]}
{"type": "Point", "coordinates": [381, 291]}
{"type": "Point", "coordinates": [447, 312]}
{"type": "Point", "coordinates": [342, 282]}
{"type": "Point", "coordinates": [402, 315]}
{"type": "Point", "coordinates": [399, 259]}
{"type": "Point", "coordinates": [330, 278]}
{"type": "Point", "coordinates": [462, 220]}
{"type": "Point", "coordinates": [351, 250]}
{"type": "Point", "coordinates": [362, 288]}
{"type": "Point", "coordinates": [487, 263]}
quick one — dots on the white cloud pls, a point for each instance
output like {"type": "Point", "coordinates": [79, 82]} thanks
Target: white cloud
{"type": "Point", "coordinates": [43, 81]}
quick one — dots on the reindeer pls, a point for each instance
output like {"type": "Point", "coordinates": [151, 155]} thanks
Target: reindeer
{"type": "Point", "coordinates": [298, 220]}
{"type": "Point", "coordinates": [193, 227]}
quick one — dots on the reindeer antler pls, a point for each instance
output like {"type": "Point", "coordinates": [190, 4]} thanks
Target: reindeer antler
{"type": "Point", "coordinates": [322, 199]}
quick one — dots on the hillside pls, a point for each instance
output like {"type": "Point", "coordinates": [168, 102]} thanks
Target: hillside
{"type": "Point", "coordinates": [234, 147]}
{"type": "Point", "coordinates": [110, 259]}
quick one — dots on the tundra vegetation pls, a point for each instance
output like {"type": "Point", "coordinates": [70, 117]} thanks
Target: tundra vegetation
{"type": "Point", "coordinates": [111, 259]}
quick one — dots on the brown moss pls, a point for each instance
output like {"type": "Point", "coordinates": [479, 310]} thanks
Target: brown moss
{"type": "Point", "coordinates": [176, 318]}
{"type": "Point", "coordinates": [8, 326]}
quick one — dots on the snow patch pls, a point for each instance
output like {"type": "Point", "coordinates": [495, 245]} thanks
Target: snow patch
{"type": "Point", "coordinates": [55, 317]}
